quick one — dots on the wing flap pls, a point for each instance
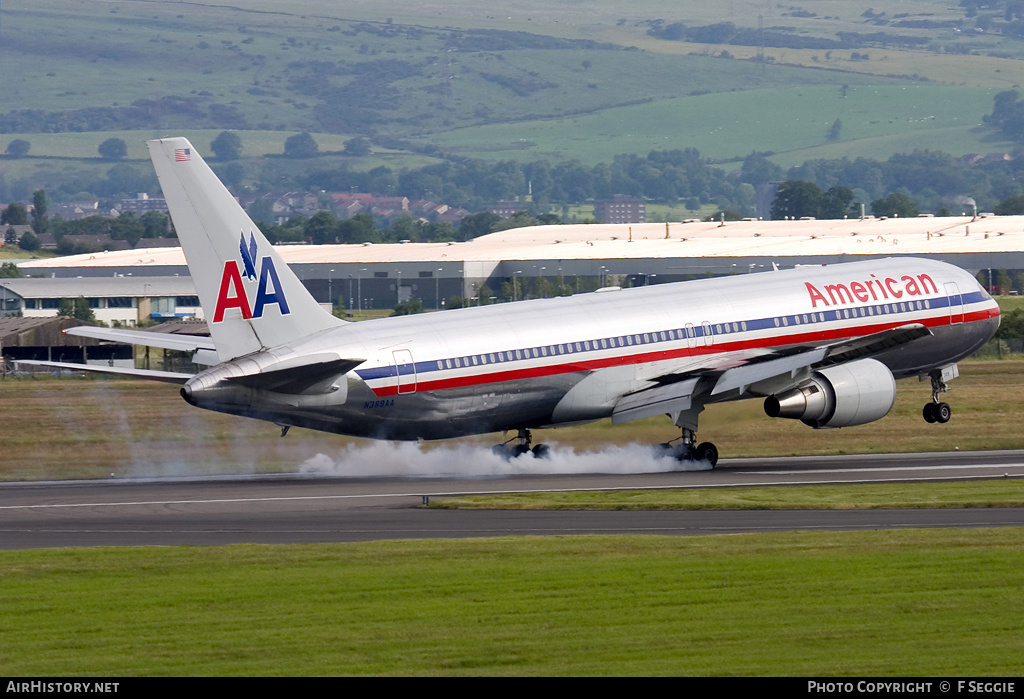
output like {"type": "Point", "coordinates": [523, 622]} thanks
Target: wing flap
{"type": "Point", "coordinates": [742, 376]}
{"type": "Point", "coordinates": [658, 400]}
{"type": "Point", "coordinates": [870, 345]}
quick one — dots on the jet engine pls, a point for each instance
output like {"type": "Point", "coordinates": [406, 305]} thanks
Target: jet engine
{"type": "Point", "coordinates": [848, 394]}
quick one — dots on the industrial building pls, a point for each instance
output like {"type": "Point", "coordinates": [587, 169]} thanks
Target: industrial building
{"type": "Point", "coordinates": [378, 276]}
{"type": "Point", "coordinates": [121, 300]}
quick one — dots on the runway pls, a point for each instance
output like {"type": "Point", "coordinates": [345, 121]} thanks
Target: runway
{"type": "Point", "coordinates": [304, 509]}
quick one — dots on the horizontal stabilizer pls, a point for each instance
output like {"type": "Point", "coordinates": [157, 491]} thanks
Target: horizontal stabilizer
{"type": "Point", "coordinates": [150, 374]}
{"type": "Point", "coordinates": [184, 343]}
{"type": "Point", "coordinates": [297, 379]}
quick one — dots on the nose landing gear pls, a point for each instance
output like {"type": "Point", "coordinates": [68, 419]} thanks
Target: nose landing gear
{"type": "Point", "coordinates": [937, 411]}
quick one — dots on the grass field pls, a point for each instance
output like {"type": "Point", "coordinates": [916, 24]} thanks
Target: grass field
{"type": "Point", "coordinates": [994, 493]}
{"type": "Point", "coordinates": [900, 603]}
{"type": "Point", "coordinates": [276, 67]}
{"type": "Point", "coordinates": [792, 123]}
{"type": "Point", "coordinates": [91, 428]}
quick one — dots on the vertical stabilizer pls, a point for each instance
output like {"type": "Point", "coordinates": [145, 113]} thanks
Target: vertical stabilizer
{"type": "Point", "coordinates": [251, 300]}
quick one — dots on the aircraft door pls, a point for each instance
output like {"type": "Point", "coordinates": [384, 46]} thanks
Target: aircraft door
{"type": "Point", "coordinates": [691, 336]}
{"type": "Point", "coordinates": [708, 336]}
{"type": "Point", "coordinates": [956, 303]}
{"type": "Point", "coordinates": [405, 370]}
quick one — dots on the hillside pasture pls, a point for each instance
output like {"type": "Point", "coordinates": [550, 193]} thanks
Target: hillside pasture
{"type": "Point", "coordinates": [791, 123]}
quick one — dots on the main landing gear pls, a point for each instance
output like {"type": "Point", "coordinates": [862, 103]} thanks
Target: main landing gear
{"type": "Point", "coordinates": [522, 446]}
{"type": "Point", "coordinates": [686, 449]}
{"type": "Point", "coordinates": [937, 411]}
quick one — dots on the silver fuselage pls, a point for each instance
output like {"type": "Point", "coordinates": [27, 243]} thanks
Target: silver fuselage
{"type": "Point", "coordinates": [557, 361]}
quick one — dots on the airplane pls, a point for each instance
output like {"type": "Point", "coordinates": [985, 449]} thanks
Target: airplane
{"type": "Point", "coordinates": [820, 344]}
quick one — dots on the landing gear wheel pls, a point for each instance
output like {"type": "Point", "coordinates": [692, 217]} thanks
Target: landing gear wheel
{"type": "Point", "coordinates": [541, 451]}
{"type": "Point", "coordinates": [706, 451]}
{"type": "Point", "coordinates": [520, 449]}
{"type": "Point", "coordinates": [684, 452]}
{"type": "Point", "coordinates": [929, 412]}
{"type": "Point", "coordinates": [937, 412]}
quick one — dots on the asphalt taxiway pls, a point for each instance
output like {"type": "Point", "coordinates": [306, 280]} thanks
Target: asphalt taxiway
{"type": "Point", "coordinates": [304, 509]}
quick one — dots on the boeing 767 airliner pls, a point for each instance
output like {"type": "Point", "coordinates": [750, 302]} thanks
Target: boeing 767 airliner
{"type": "Point", "coordinates": [824, 345]}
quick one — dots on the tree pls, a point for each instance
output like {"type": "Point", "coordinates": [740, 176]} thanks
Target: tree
{"type": "Point", "coordinates": [410, 307]}
{"type": "Point", "coordinates": [9, 270]}
{"type": "Point", "coordinates": [1007, 114]}
{"type": "Point", "coordinates": [797, 199]}
{"type": "Point", "coordinates": [757, 169]}
{"type": "Point", "coordinates": [29, 242]}
{"type": "Point", "coordinates": [301, 146]}
{"type": "Point", "coordinates": [836, 202]}
{"type": "Point", "coordinates": [485, 296]}
{"type": "Point", "coordinates": [834, 130]}
{"type": "Point", "coordinates": [15, 215]}
{"type": "Point", "coordinates": [896, 204]}
{"type": "Point", "coordinates": [18, 148]}
{"type": "Point", "coordinates": [322, 228]}
{"type": "Point", "coordinates": [476, 225]}
{"type": "Point", "coordinates": [357, 146]}
{"type": "Point", "coordinates": [40, 221]}
{"type": "Point", "coordinates": [227, 146]}
{"type": "Point", "coordinates": [1011, 206]}
{"type": "Point", "coordinates": [113, 149]}
{"type": "Point", "coordinates": [1004, 281]}
{"type": "Point", "coordinates": [79, 308]}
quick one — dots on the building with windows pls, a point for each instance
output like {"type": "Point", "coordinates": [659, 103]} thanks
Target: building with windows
{"type": "Point", "coordinates": [126, 300]}
{"type": "Point", "coordinates": [620, 209]}
{"type": "Point", "coordinates": [582, 257]}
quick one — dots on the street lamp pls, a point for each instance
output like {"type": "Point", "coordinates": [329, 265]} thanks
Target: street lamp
{"type": "Point", "coordinates": [359, 289]}
{"type": "Point", "coordinates": [437, 288]}
{"type": "Point", "coordinates": [330, 288]}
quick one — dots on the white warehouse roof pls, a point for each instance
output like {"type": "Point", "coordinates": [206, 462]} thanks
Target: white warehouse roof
{"type": "Point", "coordinates": [926, 236]}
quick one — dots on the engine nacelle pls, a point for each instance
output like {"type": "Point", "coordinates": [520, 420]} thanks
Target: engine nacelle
{"type": "Point", "coordinates": [849, 394]}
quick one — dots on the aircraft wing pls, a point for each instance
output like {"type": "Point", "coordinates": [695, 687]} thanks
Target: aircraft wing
{"type": "Point", "coordinates": [675, 392]}
{"type": "Point", "coordinates": [151, 374]}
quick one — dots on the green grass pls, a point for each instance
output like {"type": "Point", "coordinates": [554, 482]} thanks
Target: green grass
{"type": "Point", "coordinates": [792, 123]}
{"type": "Point", "coordinates": [71, 428]}
{"type": "Point", "coordinates": [1000, 493]}
{"type": "Point", "coordinates": [587, 103]}
{"type": "Point", "coordinates": [899, 603]}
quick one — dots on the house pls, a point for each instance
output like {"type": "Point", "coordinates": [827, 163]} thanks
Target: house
{"type": "Point", "coordinates": [143, 204]}
{"type": "Point", "coordinates": [77, 210]}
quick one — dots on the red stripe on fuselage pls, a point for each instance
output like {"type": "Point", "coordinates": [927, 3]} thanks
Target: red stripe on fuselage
{"type": "Point", "coordinates": [771, 342]}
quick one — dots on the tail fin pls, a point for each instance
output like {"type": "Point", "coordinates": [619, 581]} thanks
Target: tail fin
{"type": "Point", "coordinates": [251, 299]}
